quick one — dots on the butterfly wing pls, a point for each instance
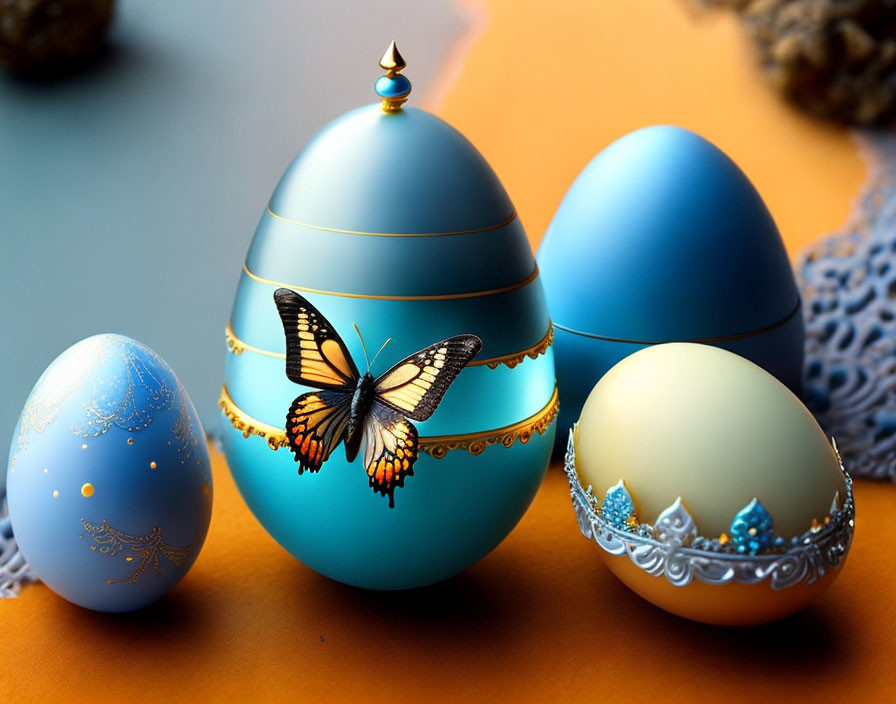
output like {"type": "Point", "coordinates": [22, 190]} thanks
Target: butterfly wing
{"type": "Point", "coordinates": [390, 449]}
{"type": "Point", "coordinates": [315, 425]}
{"type": "Point", "coordinates": [315, 354]}
{"type": "Point", "coordinates": [415, 386]}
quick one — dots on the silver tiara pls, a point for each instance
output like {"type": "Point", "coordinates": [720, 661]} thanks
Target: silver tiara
{"type": "Point", "coordinates": [750, 552]}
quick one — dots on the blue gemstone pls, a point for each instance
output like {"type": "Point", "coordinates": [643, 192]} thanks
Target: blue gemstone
{"type": "Point", "coordinates": [396, 87]}
{"type": "Point", "coordinates": [618, 507]}
{"type": "Point", "coordinates": [752, 530]}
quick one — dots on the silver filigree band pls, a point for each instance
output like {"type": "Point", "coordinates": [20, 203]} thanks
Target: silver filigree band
{"type": "Point", "coordinates": [672, 546]}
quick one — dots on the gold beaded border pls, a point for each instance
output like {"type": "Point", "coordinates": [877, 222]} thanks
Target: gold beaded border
{"type": "Point", "coordinates": [237, 346]}
{"type": "Point", "coordinates": [436, 446]}
{"type": "Point", "coordinates": [512, 360]}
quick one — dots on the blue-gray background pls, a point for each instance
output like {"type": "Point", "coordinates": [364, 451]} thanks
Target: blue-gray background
{"type": "Point", "coordinates": [129, 194]}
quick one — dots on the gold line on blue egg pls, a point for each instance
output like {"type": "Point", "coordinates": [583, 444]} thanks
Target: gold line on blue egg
{"type": "Point", "coordinates": [437, 297]}
{"type": "Point", "coordinates": [704, 340]}
{"type": "Point", "coordinates": [506, 221]}
{"type": "Point", "coordinates": [237, 346]}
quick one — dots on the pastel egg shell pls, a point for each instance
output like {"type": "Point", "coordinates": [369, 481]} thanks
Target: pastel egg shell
{"type": "Point", "coordinates": [394, 222]}
{"type": "Point", "coordinates": [708, 426]}
{"type": "Point", "coordinates": [663, 238]}
{"type": "Point", "coordinates": [109, 434]}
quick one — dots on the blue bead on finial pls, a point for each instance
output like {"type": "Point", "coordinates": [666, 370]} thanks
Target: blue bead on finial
{"type": "Point", "coordinates": [618, 509]}
{"type": "Point", "coordinates": [393, 88]}
{"type": "Point", "coordinates": [752, 530]}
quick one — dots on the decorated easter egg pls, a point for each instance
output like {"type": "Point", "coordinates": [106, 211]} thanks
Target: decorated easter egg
{"type": "Point", "coordinates": [709, 488]}
{"type": "Point", "coordinates": [110, 489]}
{"type": "Point", "coordinates": [405, 469]}
{"type": "Point", "coordinates": [662, 238]}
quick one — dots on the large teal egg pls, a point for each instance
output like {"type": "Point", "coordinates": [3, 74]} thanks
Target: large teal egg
{"type": "Point", "coordinates": [394, 222]}
{"type": "Point", "coordinates": [110, 488]}
{"type": "Point", "coordinates": [662, 238]}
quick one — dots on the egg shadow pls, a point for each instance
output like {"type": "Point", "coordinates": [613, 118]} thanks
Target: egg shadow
{"type": "Point", "coordinates": [480, 606]}
{"type": "Point", "coordinates": [810, 642]}
{"type": "Point", "coordinates": [180, 617]}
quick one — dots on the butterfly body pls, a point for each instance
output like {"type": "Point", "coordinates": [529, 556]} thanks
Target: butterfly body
{"type": "Point", "coordinates": [356, 408]}
{"type": "Point", "coordinates": [362, 400]}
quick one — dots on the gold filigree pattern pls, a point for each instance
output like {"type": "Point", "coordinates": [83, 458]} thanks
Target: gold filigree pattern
{"type": "Point", "coordinates": [247, 425]}
{"type": "Point", "coordinates": [237, 346]}
{"type": "Point", "coordinates": [512, 360]}
{"type": "Point", "coordinates": [182, 429]}
{"type": "Point", "coordinates": [437, 445]}
{"type": "Point", "coordinates": [128, 401]}
{"type": "Point", "coordinates": [58, 382]}
{"type": "Point", "coordinates": [440, 445]}
{"type": "Point", "coordinates": [149, 549]}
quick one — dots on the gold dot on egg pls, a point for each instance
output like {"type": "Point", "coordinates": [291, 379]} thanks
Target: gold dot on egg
{"type": "Point", "coordinates": [130, 441]}
{"type": "Point", "coordinates": [87, 490]}
{"type": "Point", "coordinates": [205, 489]}
{"type": "Point", "coordinates": [153, 465]}
{"type": "Point", "coordinates": [129, 558]}
{"type": "Point", "coordinates": [46, 470]}
{"type": "Point", "coordinates": [84, 446]}
{"type": "Point", "coordinates": [55, 494]}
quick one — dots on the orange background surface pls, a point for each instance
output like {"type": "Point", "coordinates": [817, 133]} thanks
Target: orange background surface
{"type": "Point", "coordinates": [539, 88]}
{"type": "Point", "coordinates": [541, 618]}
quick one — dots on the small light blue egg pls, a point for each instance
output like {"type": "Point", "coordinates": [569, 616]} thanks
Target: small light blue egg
{"type": "Point", "coordinates": [109, 482]}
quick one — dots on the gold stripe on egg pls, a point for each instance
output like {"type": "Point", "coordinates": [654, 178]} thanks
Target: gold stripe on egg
{"type": "Point", "coordinates": [703, 340]}
{"type": "Point", "coordinates": [437, 297]}
{"type": "Point", "coordinates": [436, 446]}
{"type": "Point", "coordinates": [238, 346]}
{"type": "Point", "coordinates": [506, 221]}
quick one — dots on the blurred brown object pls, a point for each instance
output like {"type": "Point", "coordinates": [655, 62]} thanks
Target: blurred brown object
{"type": "Point", "coordinates": [835, 58]}
{"type": "Point", "coordinates": [46, 38]}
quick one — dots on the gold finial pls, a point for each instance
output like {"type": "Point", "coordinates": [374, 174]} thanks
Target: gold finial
{"type": "Point", "coordinates": [392, 60]}
{"type": "Point", "coordinates": [393, 88]}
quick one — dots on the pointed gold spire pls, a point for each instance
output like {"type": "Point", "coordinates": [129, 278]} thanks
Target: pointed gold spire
{"type": "Point", "coordinates": [393, 88]}
{"type": "Point", "coordinates": [392, 60]}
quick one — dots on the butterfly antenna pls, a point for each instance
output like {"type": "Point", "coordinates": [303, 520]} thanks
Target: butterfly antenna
{"type": "Point", "coordinates": [363, 346]}
{"type": "Point", "coordinates": [381, 349]}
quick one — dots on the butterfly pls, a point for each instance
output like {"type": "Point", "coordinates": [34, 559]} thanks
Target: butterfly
{"type": "Point", "coordinates": [358, 409]}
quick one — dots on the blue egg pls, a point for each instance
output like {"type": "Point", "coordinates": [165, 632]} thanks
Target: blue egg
{"type": "Point", "coordinates": [662, 238]}
{"type": "Point", "coordinates": [110, 488]}
{"type": "Point", "coordinates": [395, 223]}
